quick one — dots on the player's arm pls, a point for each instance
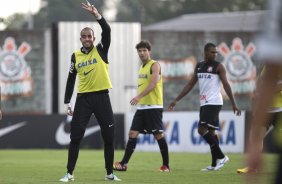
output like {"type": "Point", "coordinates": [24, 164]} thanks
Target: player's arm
{"type": "Point", "coordinates": [222, 74]}
{"type": "Point", "coordinates": [104, 44]}
{"type": "Point", "coordinates": [187, 88]}
{"type": "Point", "coordinates": [70, 85]}
{"type": "Point", "coordinates": [106, 35]}
{"type": "Point", "coordinates": [155, 77]}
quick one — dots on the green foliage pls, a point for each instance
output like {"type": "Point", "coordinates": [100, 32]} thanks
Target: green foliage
{"type": "Point", "coordinates": [16, 22]}
{"type": "Point", "coordinates": [144, 11]}
{"type": "Point", "coordinates": [67, 10]}
{"type": "Point", "coordinates": [48, 166]}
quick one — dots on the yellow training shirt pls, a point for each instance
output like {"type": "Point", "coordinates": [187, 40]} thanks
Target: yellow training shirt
{"type": "Point", "coordinates": [155, 97]}
{"type": "Point", "coordinates": [92, 71]}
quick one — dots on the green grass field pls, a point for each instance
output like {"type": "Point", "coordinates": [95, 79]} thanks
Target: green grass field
{"type": "Point", "coordinates": [47, 166]}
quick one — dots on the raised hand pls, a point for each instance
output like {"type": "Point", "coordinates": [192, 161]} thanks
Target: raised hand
{"type": "Point", "coordinates": [90, 8]}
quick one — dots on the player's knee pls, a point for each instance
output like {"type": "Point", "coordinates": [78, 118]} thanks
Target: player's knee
{"type": "Point", "coordinates": [133, 134]}
{"type": "Point", "coordinates": [108, 136]}
{"type": "Point", "coordinates": [159, 136]}
{"type": "Point", "coordinates": [202, 130]}
{"type": "Point", "coordinates": [108, 142]}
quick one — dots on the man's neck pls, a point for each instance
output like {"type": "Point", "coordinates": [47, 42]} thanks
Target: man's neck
{"type": "Point", "coordinates": [147, 61]}
{"type": "Point", "coordinates": [87, 50]}
{"type": "Point", "coordinates": [208, 60]}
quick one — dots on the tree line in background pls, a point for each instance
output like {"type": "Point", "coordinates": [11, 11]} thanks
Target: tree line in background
{"type": "Point", "coordinates": [144, 11]}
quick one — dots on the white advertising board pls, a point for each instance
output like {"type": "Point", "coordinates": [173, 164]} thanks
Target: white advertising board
{"type": "Point", "coordinates": [182, 135]}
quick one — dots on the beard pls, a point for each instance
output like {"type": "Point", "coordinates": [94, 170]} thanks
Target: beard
{"type": "Point", "coordinates": [87, 46]}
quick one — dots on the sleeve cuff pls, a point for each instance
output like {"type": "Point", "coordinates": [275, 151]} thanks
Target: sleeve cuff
{"type": "Point", "coordinates": [99, 17]}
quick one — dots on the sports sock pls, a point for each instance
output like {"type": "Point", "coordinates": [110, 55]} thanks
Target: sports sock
{"type": "Point", "coordinates": [213, 145]}
{"type": "Point", "coordinates": [130, 147]}
{"type": "Point", "coordinates": [213, 152]}
{"type": "Point", "coordinates": [164, 150]}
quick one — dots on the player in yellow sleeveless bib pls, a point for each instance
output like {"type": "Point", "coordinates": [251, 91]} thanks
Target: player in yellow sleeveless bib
{"type": "Point", "coordinates": [92, 71]}
{"type": "Point", "coordinates": [155, 97]}
{"type": "Point", "coordinates": [149, 101]}
{"type": "Point", "coordinates": [269, 47]}
{"type": "Point", "coordinates": [90, 64]}
{"type": "Point", "coordinates": [275, 111]}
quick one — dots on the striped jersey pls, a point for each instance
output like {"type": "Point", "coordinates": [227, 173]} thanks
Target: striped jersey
{"type": "Point", "coordinates": [209, 83]}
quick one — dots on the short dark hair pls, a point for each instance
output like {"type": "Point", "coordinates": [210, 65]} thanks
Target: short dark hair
{"type": "Point", "coordinates": [144, 44]}
{"type": "Point", "coordinates": [87, 29]}
{"type": "Point", "coordinates": [208, 46]}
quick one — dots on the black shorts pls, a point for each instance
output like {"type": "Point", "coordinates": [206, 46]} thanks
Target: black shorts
{"type": "Point", "coordinates": [274, 120]}
{"type": "Point", "coordinates": [148, 121]}
{"type": "Point", "coordinates": [209, 116]}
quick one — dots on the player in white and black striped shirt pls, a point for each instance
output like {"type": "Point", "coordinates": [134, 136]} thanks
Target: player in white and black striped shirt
{"type": "Point", "coordinates": [210, 74]}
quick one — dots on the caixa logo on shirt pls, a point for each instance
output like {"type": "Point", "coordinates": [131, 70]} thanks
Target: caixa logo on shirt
{"type": "Point", "coordinates": [86, 63]}
{"type": "Point", "coordinates": [143, 76]}
{"type": "Point", "coordinates": [241, 71]}
{"type": "Point", "coordinates": [15, 74]}
{"type": "Point", "coordinates": [204, 76]}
